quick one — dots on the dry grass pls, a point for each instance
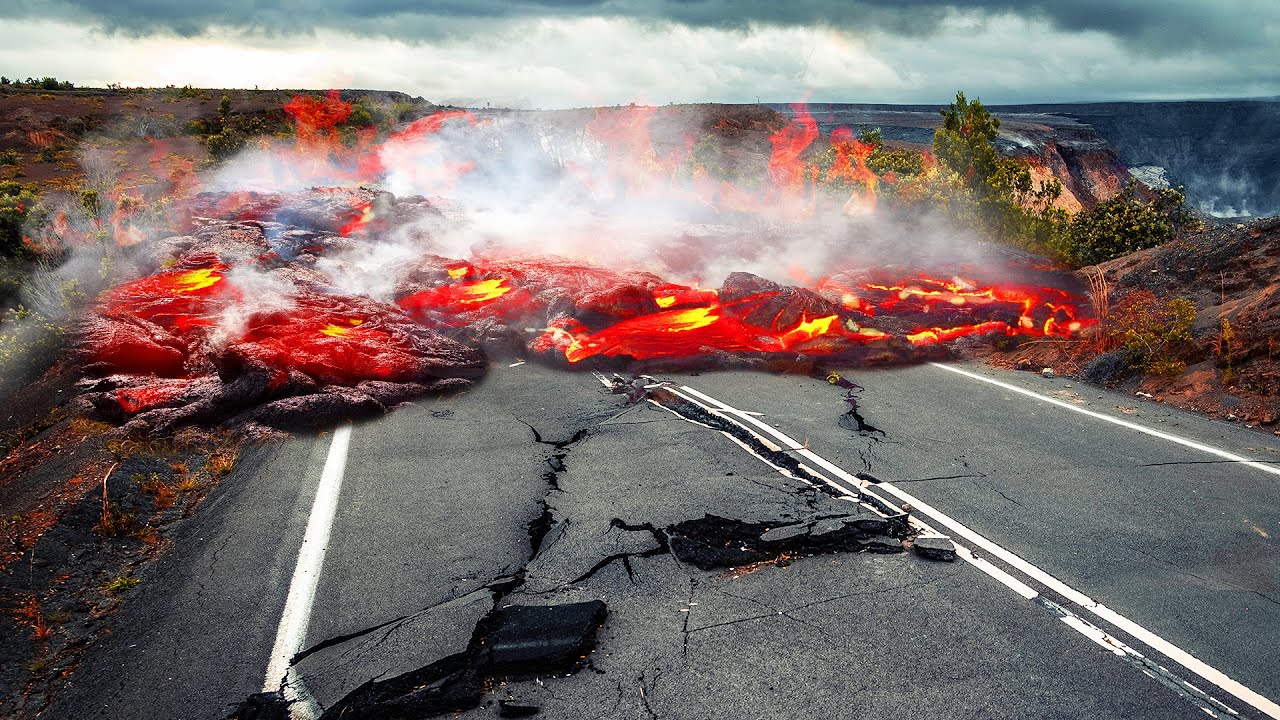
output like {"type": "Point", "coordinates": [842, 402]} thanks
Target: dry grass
{"type": "Point", "coordinates": [1100, 338]}
{"type": "Point", "coordinates": [222, 462]}
{"type": "Point", "coordinates": [85, 426]}
{"type": "Point", "coordinates": [30, 614]}
{"type": "Point", "coordinates": [164, 493]}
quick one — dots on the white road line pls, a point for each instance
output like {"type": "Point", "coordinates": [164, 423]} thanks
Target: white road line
{"type": "Point", "coordinates": [292, 631]}
{"type": "Point", "coordinates": [1274, 470]}
{"type": "Point", "coordinates": [1178, 655]}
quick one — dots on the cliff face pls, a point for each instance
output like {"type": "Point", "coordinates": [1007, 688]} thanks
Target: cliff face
{"type": "Point", "coordinates": [1055, 146]}
{"type": "Point", "coordinates": [1089, 175]}
{"type": "Point", "coordinates": [1223, 153]}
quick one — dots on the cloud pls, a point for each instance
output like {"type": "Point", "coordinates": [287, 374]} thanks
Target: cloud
{"type": "Point", "coordinates": [585, 61]}
{"type": "Point", "coordinates": [1155, 26]}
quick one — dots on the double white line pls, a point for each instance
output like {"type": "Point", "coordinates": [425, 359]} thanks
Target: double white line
{"type": "Point", "coordinates": [855, 488]}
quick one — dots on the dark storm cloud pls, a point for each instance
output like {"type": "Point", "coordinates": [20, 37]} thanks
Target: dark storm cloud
{"type": "Point", "coordinates": [1153, 25]}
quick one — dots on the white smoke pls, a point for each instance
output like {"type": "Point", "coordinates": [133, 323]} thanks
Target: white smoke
{"type": "Point", "coordinates": [542, 184]}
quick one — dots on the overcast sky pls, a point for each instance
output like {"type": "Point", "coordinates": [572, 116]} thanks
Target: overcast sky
{"type": "Point", "coordinates": [558, 53]}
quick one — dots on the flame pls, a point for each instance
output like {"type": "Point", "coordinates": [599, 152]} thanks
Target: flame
{"type": "Point", "coordinates": [851, 166]}
{"type": "Point", "coordinates": [316, 119]}
{"type": "Point", "coordinates": [786, 168]}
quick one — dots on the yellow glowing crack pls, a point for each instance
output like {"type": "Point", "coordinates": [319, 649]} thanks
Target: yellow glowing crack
{"type": "Point", "coordinates": [193, 280]}
{"type": "Point", "coordinates": [686, 320]}
{"type": "Point", "coordinates": [340, 330]}
{"type": "Point", "coordinates": [485, 290]}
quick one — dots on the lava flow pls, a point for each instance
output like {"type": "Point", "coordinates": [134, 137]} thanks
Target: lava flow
{"type": "Point", "coordinates": [255, 316]}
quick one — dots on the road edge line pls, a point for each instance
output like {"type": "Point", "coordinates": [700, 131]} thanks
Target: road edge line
{"type": "Point", "coordinates": [296, 616]}
{"type": "Point", "coordinates": [1255, 464]}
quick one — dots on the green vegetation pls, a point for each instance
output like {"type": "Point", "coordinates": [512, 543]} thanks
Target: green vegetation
{"type": "Point", "coordinates": [122, 583]}
{"type": "Point", "coordinates": [1155, 335]}
{"type": "Point", "coordinates": [899, 161]}
{"type": "Point", "coordinates": [1008, 204]}
{"type": "Point", "coordinates": [44, 83]}
{"type": "Point", "coordinates": [1124, 224]}
{"type": "Point", "coordinates": [225, 144]}
{"type": "Point", "coordinates": [186, 91]}
{"type": "Point", "coordinates": [361, 116]}
{"type": "Point", "coordinates": [17, 202]}
{"type": "Point", "coordinates": [974, 186]}
{"type": "Point", "coordinates": [1223, 346]}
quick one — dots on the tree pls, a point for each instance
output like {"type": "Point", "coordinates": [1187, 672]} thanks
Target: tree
{"type": "Point", "coordinates": [224, 107]}
{"type": "Point", "coordinates": [1011, 205]}
{"type": "Point", "coordinates": [966, 141]}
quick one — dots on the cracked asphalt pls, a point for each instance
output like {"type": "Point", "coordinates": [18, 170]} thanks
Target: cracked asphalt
{"type": "Point", "coordinates": [538, 487]}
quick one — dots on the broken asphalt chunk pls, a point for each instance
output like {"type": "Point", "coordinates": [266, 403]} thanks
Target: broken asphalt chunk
{"type": "Point", "coordinates": [935, 547]}
{"type": "Point", "coordinates": [714, 542]}
{"type": "Point", "coordinates": [512, 710]}
{"type": "Point", "coordinates": [541, 639]}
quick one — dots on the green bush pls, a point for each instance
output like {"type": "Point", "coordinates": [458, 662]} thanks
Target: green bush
{"type": "Point", "coordinates": [10, 157]}
{"type": "Point", "coordinates": [1009, 205]}
{"type": "Point", "coordinates": [1155, 335]}
{"type": "Point", "coordinates": [901, 161]}
{"type": "Point", "coordinates": [1124, 224]}
{"type": "Point", "coordinates": [225, 145]}
{"type": "Point", "coordinates": [361, 116]}
{"type": "Point", "coordinates": [186, 91]}
{"type": "Point", "coordinates": [16, 203]}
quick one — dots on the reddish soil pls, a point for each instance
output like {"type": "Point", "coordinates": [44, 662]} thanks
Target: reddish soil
{"type": "Point", "coordinates": [1232, 275]}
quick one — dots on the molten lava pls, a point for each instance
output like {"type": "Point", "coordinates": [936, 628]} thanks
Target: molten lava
{"type": "Point", "coordinates": [192, 326]}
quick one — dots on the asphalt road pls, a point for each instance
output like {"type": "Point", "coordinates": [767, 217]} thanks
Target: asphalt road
{"type": "Point", "coordinates": [1114, 573]}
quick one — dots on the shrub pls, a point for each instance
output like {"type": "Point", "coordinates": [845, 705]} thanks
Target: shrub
{"type": "Point", "coordinates": [900, 161]}
{"type": "Point", "coordinates": [16, 203]}
{"type": "Point", "coordinates": [1123, 224]}
{"type": "Point", "coordinates": [361, 116]}
{"type": "Point", "coordinates": [10, 157]}
{"type": "Point", "coordinates": [225, 145]}
{"type": "Point", "coordinates": [1155, 336]}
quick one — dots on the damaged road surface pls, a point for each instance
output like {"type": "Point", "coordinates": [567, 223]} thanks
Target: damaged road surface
{"type": "Point", "coordinates": [542, 546]}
